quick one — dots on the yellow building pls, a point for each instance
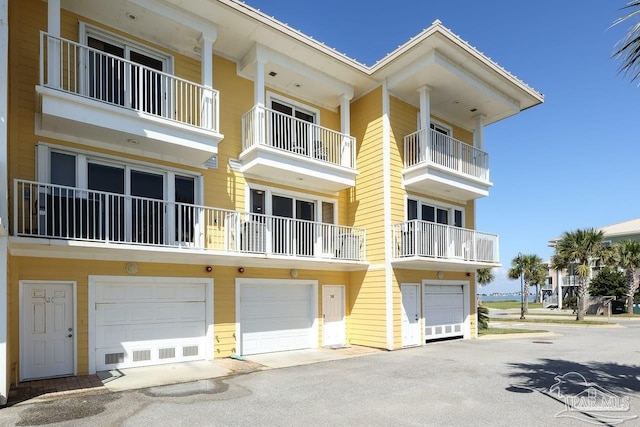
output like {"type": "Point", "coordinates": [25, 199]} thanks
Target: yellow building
{"type": "Point", "coordinates": [193, 180]}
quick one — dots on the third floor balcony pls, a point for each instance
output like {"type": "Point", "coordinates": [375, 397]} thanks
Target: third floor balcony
{"type": "Point", "coordinates": [121, 99]}
{"type": "Point", "coordinates": [439, 164]}
{"type": "Point", "coordinates": [280, 148]}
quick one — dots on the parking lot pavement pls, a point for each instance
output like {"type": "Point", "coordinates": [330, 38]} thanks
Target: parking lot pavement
{"type": "Point", "coordinates": [524, 381]}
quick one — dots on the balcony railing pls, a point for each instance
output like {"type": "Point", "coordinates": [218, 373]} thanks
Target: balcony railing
{"type": "Point", "coordinates": [427, 239]}
{"type": "Point", "coordinates": [432, 147]}
{"type": "Point", "coordinates": [74, 68]}
{"type": "Point", "coordinates": [60, 212]}
{"type": "Point", "coordinates": [571, 281]}
{"type": "Point", "coordinates": [263, 126]}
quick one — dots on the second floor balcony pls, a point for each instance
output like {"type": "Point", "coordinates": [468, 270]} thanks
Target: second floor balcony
{"type": "Point", "coordinates": [277, 147]}
{"type": "Point", "coordinates": [439, 164]}
{"type": "Point", "coordinates": [427, 245]}
{"type": "Point", "coordinates": [104, 100]}
{"type": "Point", "coordinates": [120, 222]}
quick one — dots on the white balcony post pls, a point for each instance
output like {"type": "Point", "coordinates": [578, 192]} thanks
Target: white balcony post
{"type": "Point", "coordinates": [206, 41]}
{"type": "Point", "coordinates": [478, 143]}
{"type": "Point", "coordinates": [53, 44]}
{"type": "Point", "coordinates": [258, 96]}
{"type": "Point", "coordinates": [4, 52]}
{"type": "Point", "coordinates": [345, 128]}
{"type": "Point", "coordinates": [425, 121]}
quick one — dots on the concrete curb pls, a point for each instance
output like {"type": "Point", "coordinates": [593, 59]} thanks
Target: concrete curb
{"type": "Point", "coordinates": [520, 335]}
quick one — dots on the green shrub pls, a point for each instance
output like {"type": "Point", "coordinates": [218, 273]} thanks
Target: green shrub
{"type": "Point", "coordinates": [571, 302]}
{"type": "Point", "coordinates": [483, 317]}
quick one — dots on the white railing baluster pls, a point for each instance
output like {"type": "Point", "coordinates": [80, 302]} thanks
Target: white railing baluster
{"type": "Point", "coordinates": [114, 77]}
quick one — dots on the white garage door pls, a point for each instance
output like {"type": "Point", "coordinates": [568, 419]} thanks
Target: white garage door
{"type": "Point", "coordinates": [443, 308]}
{"type": "Point", "coordinates": [276, 317]}
{"type": "Point", "coordinates": [149, 323]}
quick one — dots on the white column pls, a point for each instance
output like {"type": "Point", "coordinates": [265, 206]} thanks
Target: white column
{"type": "Point", "coordinates": [4, 54]}
{"type": "Point", "coordinates": [478, 132]}
{"type": "Point", "coordinates": [53, 45]}
{"type": "Point", "coordinates": [347, 151]}
{"type": "Point", "coordinates": [258, 83]}
{"type": "Point", "coordinates": [208, 114]}
{"type": "Point", "coordinates": [559, 282]}
{"type": "Point", "coordinates": [425, 119]}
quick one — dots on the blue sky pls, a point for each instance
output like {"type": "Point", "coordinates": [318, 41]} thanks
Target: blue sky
{"type": "Point", "coordinates": [572, 162]}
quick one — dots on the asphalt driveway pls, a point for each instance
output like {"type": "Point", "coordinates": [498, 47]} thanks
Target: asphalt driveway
{"type": "Point", "coordinates": [525, 382]}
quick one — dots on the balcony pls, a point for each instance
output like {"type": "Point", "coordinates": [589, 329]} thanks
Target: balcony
{"type": "Point", "coordinates": [280, 148]}
{"type": "Point", "coordinates": [73, 217]}
{"type": "Point", "coordinates": [95, 98]}
{"type": "Point", "coordinates": [427, 245]}
{"type": "Point", "coordinates": [438, 164]}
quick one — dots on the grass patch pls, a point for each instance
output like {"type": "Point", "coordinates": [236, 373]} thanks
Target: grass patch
{"type": "Point", "coordinates": [509, 304]}
{"type": "Point", "coordinates": [559, 321]}
{"type": "Point", "coordinates": [505, 331]}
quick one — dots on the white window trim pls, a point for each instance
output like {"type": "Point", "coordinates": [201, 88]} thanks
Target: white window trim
{"type": "Point", "coordinates": [437, 204]}
{"type": "Point", "coordinates": [83, 158]}
{"type": "Point", "coordinates": [435, 122]}
{"type": "Point", "coordinates": [88, 30]}
{"type": "Point", "coordinates": [270, 191]}
{"type": "Point", "coordinates": [298, 105]}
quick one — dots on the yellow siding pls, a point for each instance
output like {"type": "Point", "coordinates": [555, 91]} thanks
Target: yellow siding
{"type": "Point", "coordinates": [366, 306]}
{"type": "Point", "coordinates": [23, 268]}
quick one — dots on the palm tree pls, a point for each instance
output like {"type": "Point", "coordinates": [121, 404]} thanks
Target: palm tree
{"type": "Point", "coordinates": [484, 276]}
{"type": "Point", "coordinates": [628, 259]}
{"type": "Point", "coordinates": [582, 248]}
{"type": "Point", "coordinates": [628, 49]}
{"type": "Point", "coordinates": [531, 268]}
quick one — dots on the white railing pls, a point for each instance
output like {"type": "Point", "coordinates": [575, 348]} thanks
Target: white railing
{"type": "Point", "coordinates": [60, 212]}
{"type": "Point", "coordinates": [263, 126]}
{"type": "Point", "coordinates": [431, 240]}
{"type": "Point", "coordinates": [433, 147]}
{"type": "Point", "coordinates": [571, 281]}
{"type": "Point", "coordinates": [81, 70]}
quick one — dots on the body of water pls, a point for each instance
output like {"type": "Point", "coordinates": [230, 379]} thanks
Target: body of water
{"type": "Point", "coordinates": [505, 298]}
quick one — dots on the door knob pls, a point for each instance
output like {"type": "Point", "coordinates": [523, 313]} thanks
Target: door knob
{"type": "Point", "coordinates": [69, 336]}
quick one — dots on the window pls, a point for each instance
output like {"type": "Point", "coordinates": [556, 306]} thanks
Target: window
{"type": "Point", "coordinates": [291, 126]}
{"type": "Point", "coordinates": [293, 220]}
{"type": "Point", "coordinates": [111, 199]}
{"type": "Point", "coordinates": [123, 73]}
{"type": "Point", "coordinates": [431, 212]}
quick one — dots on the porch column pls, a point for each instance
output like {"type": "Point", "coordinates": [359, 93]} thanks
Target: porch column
{"type": "Point", "coordinates": [259, 102]}
{"type": "Point", "coordinates": [347, 150]}
{"type": "Point", "coordinates": [478, 132]}
{"type": "Point", "coordinates": [53, 44]}
{"type": "Point", "coordinates": [425, 120]}
{"type": "Point", "coordinates": [559, 282]}
{"type": "Point", "coordinates": [209, 113]}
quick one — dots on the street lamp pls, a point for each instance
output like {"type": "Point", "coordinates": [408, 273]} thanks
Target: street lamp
{"type": "Point", "coordinates": [521, 286]}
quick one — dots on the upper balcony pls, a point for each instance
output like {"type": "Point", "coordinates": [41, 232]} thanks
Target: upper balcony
{"type": "Point", "coordinates": [87, 222]}
{"type": "Point", "coordinates": [427, 245]}
{"type": "Point", "coordinates": [280, 148]}
{"type": "Point", "coordinates": [439, 164]}
{"type": "Point", "coordinates": [102, 100]}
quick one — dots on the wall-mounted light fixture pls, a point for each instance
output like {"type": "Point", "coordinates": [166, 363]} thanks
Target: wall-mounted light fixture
{"type": "Point", "coordinates": [293, 273]}
{"type": "Point", "coordinates": [440, 275]}
{"type": "Point", "coordinates": [208, 268]}
{"type": "Point", "coordinates": [241, 270]}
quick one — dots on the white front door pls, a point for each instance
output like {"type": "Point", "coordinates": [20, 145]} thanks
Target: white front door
{"type": "Point", "coordinates": [410, 314]}
{"type": "Point", "coordinates": [47, 330]}
{"type": "Point", "coordinates": [333, 327]}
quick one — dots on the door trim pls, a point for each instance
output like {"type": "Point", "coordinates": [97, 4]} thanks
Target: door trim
{"type": "Point", "coordinates": [94, 280]}
{"type": "Point", "coordinates": [22, 332]}
{"type": "Point", "coordinates": [272, 282]}
{"type": "Point", "coordinates": [344, 312]}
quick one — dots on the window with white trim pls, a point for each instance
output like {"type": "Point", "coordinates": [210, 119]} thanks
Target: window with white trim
{"type": "Point", "coordinates": [291, 124]}
{"type": "Point", "coordinates": [429, 211]}
{"type": "Point", "coordinates": [113, 199]}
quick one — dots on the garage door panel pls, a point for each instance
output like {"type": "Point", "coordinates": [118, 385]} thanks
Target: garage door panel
{"type": "Point", "coordinates": [275, 317]}
{"type": "Point", "coordinates": [141, 324]}
{"type": "Point", "coordinates": [443, 310]}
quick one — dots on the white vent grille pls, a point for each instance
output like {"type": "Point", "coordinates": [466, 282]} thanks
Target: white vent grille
{"type": "Point", "coordinates": [212, 163]}
{"type": "Point", "coordinates": [141, 355]}
{"type": "Point", "coordinates": [192, 350]}
{"type": "Point", "coordinates": [167, 353]}
{"type": "Point", "coordinates": [113, 358]}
